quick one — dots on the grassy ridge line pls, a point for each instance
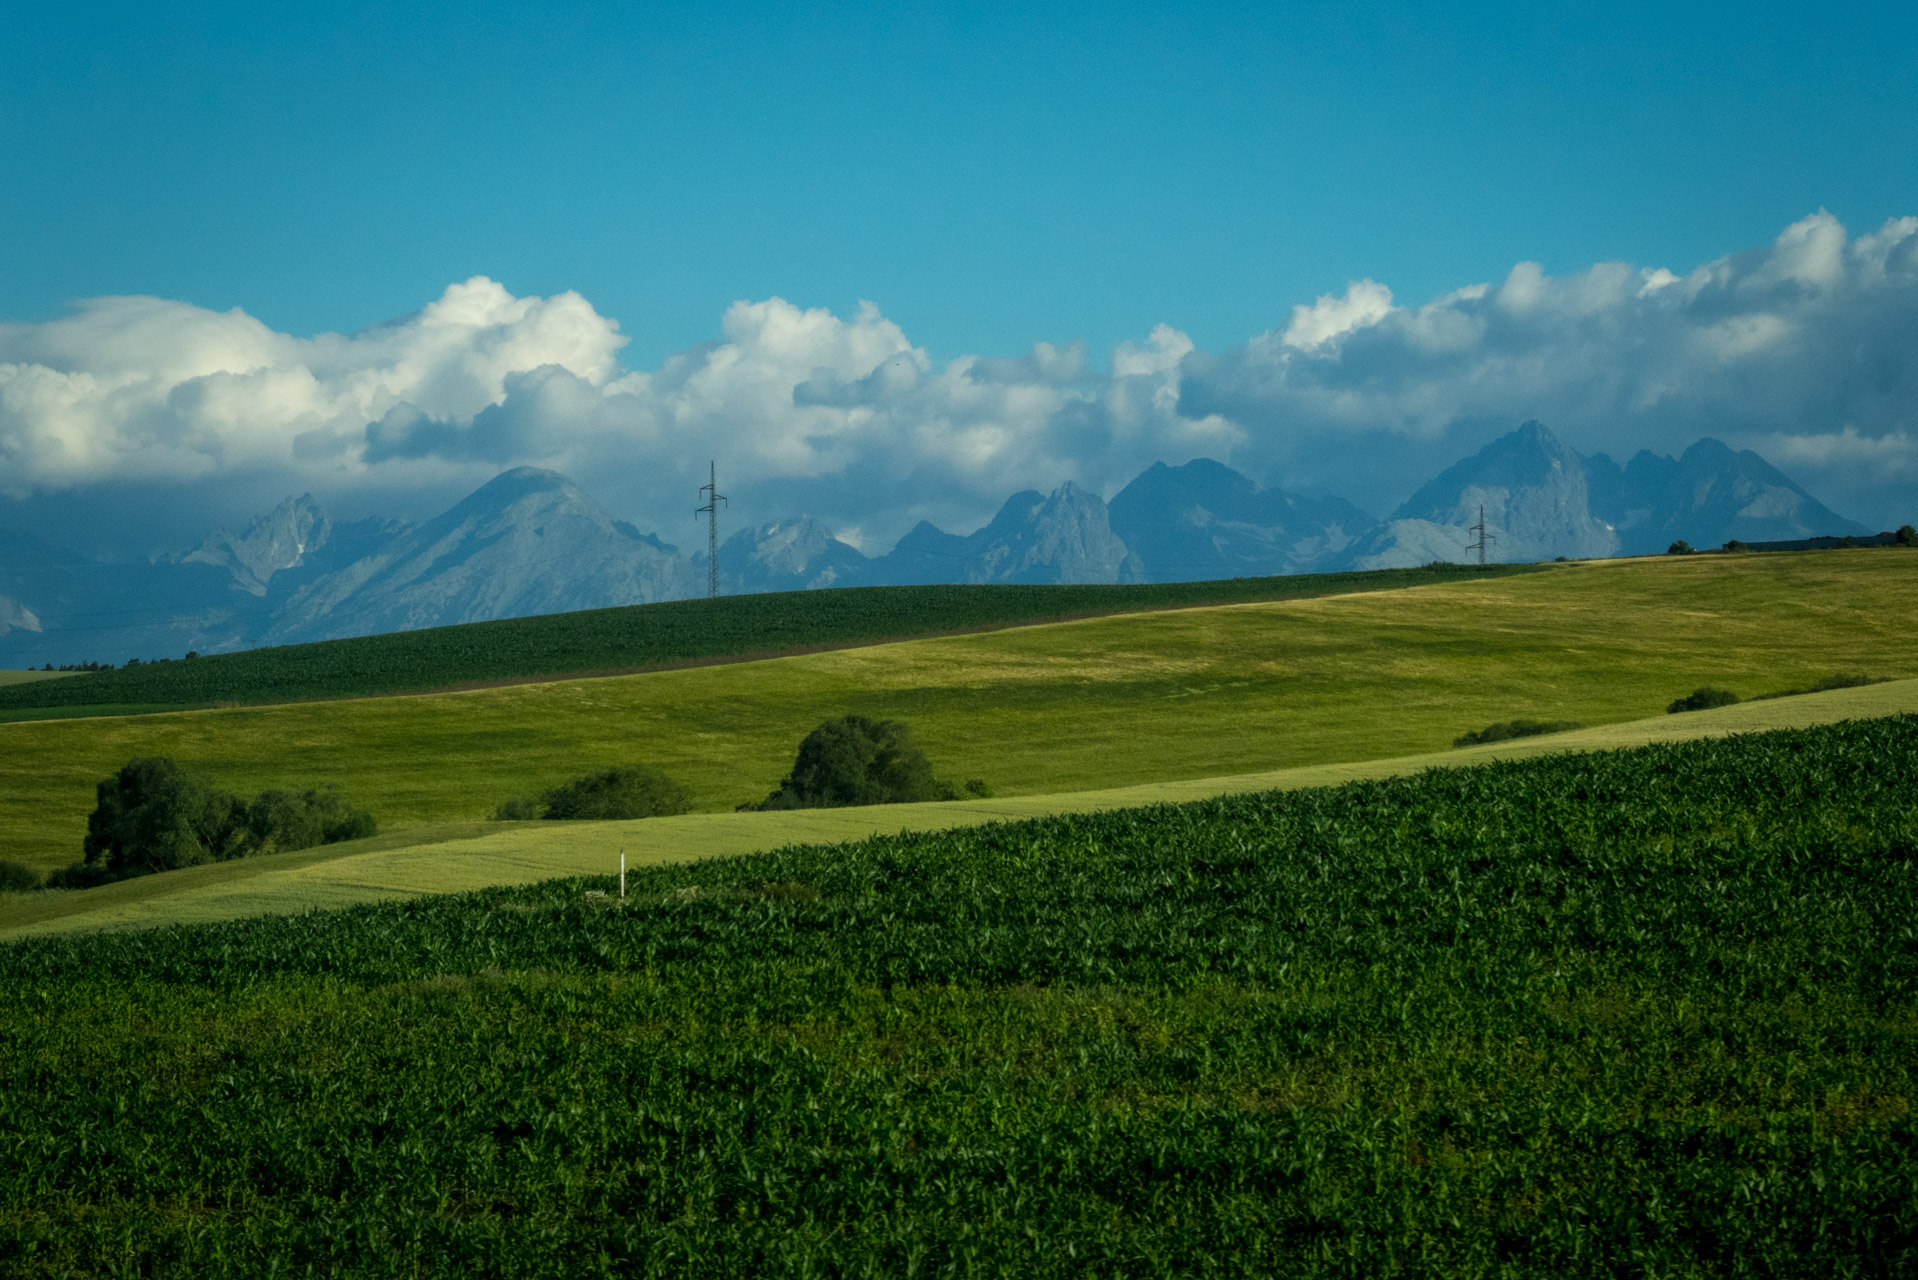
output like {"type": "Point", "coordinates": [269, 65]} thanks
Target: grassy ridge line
{"type": "Point", "coordinates": [1107, 702]}
{"type": "Point", "coordinates": [484, 855]}
{"type": "Point", "coordinates": [652, 636]}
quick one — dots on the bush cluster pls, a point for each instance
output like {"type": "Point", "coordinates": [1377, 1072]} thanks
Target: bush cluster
{"type": "Point", "coordinates": [155, 816]}
{"type": "Point", "coordinates": [1843, 680]}
{"type": "Point", "coordinates": [626, 791]}
{"type": "Point", "coordinates": [17, 877]}
{"type": "Point", "coordinates": [1703, 698]}
{"type": "Point", "coordinates": [1510, 729]}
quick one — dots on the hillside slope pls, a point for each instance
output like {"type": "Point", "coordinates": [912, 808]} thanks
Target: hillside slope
{"type": "Point", "coordinates": [1074, 706]}
{"type": "Point", "coordinates": [458, 858]}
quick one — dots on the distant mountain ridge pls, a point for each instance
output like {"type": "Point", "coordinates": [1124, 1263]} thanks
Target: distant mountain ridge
{"type": "Point", "coordinates": [530, 541]}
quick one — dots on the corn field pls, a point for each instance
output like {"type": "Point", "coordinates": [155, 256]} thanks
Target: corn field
{"type": "Point", "coordinates": [1647, 1013]}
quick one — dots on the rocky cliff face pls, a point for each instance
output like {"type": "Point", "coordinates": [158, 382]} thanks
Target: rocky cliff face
{"type": "Point", "coordinates": [275, 541]}
{"type": "Point", "coordinates": [1707, 496]}
{"type": "Point", "coordinates": [1536, 503]}
{"type": "Point", "coordinates": [797, 554]}
{"type": "Point", "coordinates": [527, 542]}
{"type": "Point", "coordinates": [1205, 520]}
{"type": "Point", "coordinates": [1064, 536]}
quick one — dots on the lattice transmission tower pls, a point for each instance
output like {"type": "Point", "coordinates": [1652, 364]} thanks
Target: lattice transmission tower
{"type": "Point", "coordinates": [710, 491]}
{"type": "Point", "coordinates": [1484, 539]}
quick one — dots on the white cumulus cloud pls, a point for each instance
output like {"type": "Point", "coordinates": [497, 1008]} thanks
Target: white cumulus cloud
{"type": "Point", "coordinates": [1806, 349]}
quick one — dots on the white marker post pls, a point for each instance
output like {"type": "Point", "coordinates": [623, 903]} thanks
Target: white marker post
{"type": "Point", "coordinates": [622, 873]}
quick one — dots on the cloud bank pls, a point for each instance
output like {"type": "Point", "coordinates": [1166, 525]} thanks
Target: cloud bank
{"type": "Point", "coordinates": [1806, 349]}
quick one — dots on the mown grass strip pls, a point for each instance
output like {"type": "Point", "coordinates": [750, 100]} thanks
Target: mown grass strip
{"type": "Point", "coordinates": [463, 857]}
{"type": "Point", "coordinates": [1651, 1012]}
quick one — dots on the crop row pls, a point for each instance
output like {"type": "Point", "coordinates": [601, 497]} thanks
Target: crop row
{"type": "Point", "coordinates": [639, 636]}
{"type": "Point", "coordinates": [1642, 1013]}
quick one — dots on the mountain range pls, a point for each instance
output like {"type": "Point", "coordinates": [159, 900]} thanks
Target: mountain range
{"type": "Point", "coordinates": [530, 541]}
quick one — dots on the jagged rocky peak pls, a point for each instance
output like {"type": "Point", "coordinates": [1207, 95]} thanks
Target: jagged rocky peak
{"type": "Point", "coordinates": [1532, 491]}
{"type": "Point", "coordinates": [1205, 520]}
{"type": "Point", "coordinates": [278, 540]}
{"type": "Point", "coordinates": [795, 554]}
{"type": "Point", "coordinates": [1707, 496]}
{"type": "Point", "coordinates": [1063, 536]}
{"type": "Point", "coordinates": [15, 616]}
{"type": "Point", "coordinates": [528, 541]}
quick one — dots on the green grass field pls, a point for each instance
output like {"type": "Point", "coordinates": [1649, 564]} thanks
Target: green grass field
{"type": "Point", "coordinates": [1644, 1013]}
{"type": "Point", "coordinates": [460, 857]}
{"type": "Point", "coordinates": [677, 632]}
{"type": "Point", "coordinates": [1107, 702]}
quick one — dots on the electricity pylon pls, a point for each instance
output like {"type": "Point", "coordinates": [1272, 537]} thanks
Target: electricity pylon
{"type": "Point", "coordinates": [710, 491]}
{"type": "Point", "coordinates": [1484, 539]}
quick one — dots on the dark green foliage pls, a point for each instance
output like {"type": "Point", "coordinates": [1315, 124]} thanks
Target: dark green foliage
{"type": "Point", "coordinates": [516, 809]}
{"type": "Point", "coordinates": [1679, 548]}
{"type": "Point", "coordinates": [1651, 1013]}
{"type": "Point", "coordinates": [857, 760]}
{"type": "Point", "coordinates": [629, 791]}
{"type": "Point", "coordinates": [640, 636]}
{"type": "Point", "coordinates": [1907, 536]}
{"type": "Point", "coordinates": [17, 877]}
{"type": "Point", "coordinates": [79, 875]}
{"type": "Point", "coordinates": [1702, 699]}
{"type": "Point", "coordinates": [282, 821]}
{"type": "Point", "coordinates": [1735, 545]}
{"type": "Point", "coordinates": [155, 816]}
{"type": "Point", "coordinates": [977, 789]}
{"type": "Point", "coordinates": [1514, 729]}
{"type": "Point", "coordinates": [1843, 680]}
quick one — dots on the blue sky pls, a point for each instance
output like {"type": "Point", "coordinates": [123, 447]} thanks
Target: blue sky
{"type": "Point", "coordinates": [990, 175]}
{"type": "Point", "coordinates": [620, 240]}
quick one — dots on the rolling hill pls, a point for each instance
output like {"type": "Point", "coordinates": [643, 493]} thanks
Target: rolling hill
{"type": "Point", "coordinates": [1104, 702]}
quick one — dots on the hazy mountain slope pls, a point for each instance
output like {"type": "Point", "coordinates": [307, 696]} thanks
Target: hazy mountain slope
{"type": "Point", "coordinates": [1064, 536]}
{"type": "Point", "coordinates": [1532, 490]}
{"type": "Point", "coordinates": [527, 542]}
{"type": "Point", "coordinates": [1205, 520]}
{"type": "Point", "coordinates": [1707, 496]}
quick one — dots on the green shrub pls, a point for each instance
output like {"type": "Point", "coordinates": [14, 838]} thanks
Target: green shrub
{"type": "Point", "coordinates": [79, 875]}
{"type": "Point", "coordinates": [856, 760]}
{"type": "Point", "coordinates": [1736, 545]}
{"type": "Point", "coordinates": [977, 789]}
{"type": "Point", "coordinates": [1510, 729]}
{"type": "Point", "coordinates": [1702, 699]}
{"type": "Point", "coordinates": [516, 809]}
{"type": "Point", "coordinates": [629, 791]}
{"type": "Point", "coordinates": [1843, 680]}
{"type": "Point", "coordinates": [1679, 548]}
{"type": "Point", "coordinates": [17, 877]}
{"type": "Point", "coordinates": [1907, 536]}
{"type": "Point", "coordinates": [282, 821]}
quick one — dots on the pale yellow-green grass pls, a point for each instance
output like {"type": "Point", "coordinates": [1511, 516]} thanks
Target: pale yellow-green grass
{"type": "Point", "coordinates": [24, 677]}
{"type": "Point", "coordinates": [479, 855]}
{"type": "Point", "coordinates": [1094, 704]}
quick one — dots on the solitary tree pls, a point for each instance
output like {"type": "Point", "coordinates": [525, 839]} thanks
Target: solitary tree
{"type": "Point", "coordinates": [857, 760]}
{"type": "Point", "coordinates": [155, 816]}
